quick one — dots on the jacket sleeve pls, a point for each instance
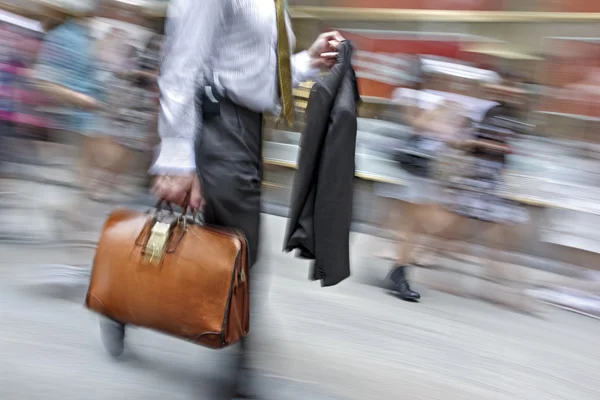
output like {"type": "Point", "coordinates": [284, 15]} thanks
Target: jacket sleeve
{"type": "Point", "coordinates": [190, 32]}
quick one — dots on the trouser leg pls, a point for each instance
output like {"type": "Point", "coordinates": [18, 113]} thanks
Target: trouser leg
{"type": "Point", "coordinates": [229, 161]}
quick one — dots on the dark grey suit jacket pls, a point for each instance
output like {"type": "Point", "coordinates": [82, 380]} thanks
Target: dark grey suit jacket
{"type": "Point", "coordinates": [321, 210]}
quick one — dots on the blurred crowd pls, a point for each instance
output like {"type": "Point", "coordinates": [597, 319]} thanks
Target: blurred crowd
{"type": "Point", "coordinates": [110, 73]}
{"type": "Point", "coordinates": [18, 100]}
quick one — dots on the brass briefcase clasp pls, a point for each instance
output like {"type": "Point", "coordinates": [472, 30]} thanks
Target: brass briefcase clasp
{"type": "Point", "coordinates": [156, 245]}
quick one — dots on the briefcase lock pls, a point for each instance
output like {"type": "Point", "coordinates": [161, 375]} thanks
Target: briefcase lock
{"type": "Point", "coordinates": [156, 245]}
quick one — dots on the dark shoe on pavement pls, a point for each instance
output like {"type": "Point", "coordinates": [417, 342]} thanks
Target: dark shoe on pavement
{"type": "Point", "coordinates": [242, 396]}
{"type": "Point", "coordinates": [401, 286]}
{"type": "Point", "coordinates": [245, 384]}
{"type": "Point", "coordinates": [113, 337]}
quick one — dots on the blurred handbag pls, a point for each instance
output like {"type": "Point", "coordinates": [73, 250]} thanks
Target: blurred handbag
{"type": "Point", "coordinates": [170, 273]}
{"type": "Point", "coordinates": [452, 166]}
{"type": "Point", "coordinates": [417, 155]}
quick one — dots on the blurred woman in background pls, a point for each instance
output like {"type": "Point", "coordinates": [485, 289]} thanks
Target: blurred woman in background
{"type": "Point", "coordinates": [128, 120]}
{"type": "Point", "coordinates": [10, 81]}
{"type": "Point", "coordinates": [441, 122]}
{"type": "Point", "coordinates": [66, 71]}
{"type": "Point", "coordinates": [477, 193]}
{"type": "Point", "coordinates": [434, 121]}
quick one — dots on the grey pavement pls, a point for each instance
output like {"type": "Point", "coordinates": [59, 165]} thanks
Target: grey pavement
{"type": "Point", "coordinates": [352, 341]}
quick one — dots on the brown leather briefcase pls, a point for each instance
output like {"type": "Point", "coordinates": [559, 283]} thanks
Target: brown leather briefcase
{"type": "Point", "coordinates": [166, 272]}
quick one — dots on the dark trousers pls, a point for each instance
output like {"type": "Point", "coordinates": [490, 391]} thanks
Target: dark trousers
{"type": "Point", "coordinates": [229, 163]}
{"type": "Point", "coordinates": [229, 160]}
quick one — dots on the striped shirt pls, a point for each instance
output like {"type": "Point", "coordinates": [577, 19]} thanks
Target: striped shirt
{"type": "Point", "coordinates": [67, 59]}
{"type": "Point", "coordinates": [232, 43]}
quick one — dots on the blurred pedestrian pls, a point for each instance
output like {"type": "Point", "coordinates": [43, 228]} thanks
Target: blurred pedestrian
{"type": "Point", "coordinates": [427, 116]}
{"type": "Point", "coordinates": [10, 81]}
{"type": "Point", "coordinates": [477, 193]}
{"type": "Point", "coordinates": [67, 71]}
{"type": "Point", "coordinates": [127, 119]}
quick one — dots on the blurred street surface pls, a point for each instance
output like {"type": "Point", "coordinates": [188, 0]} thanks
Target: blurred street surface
{"type": "Point", "coordinates": [353, 341]}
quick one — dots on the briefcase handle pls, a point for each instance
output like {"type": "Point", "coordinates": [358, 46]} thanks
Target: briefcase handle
{"type": "Point", "coordinates": [165, 232]}
{"type": "Point", "coordinates": [159, 208]}
{"type": "Point", "coordinates": [197, 215]}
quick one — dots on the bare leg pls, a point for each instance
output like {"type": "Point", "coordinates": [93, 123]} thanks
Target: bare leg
{"type": "Point", "coordinates": [440, 227]}
{"type": "Point", "coordinates": [120, 161]}
{"type": "Point", "coordinates": [495, 243]}
{"type": "Point", "coordinates": [516, 276]}
{"type": "Point", "coordinates": [88, 166]}
{"type": "Point", "coordinates": [406, 246]}
{"type": "Point", "coordinates": [114, 160]}
{"type": "Point", "coordinates": [385, 217]}
{"type": "Point", "coordinates": [405, 249]}
{"type": "Point", "coordinates": [427, 219]}
{"type": "Point", "coordinates": [71, 211]}
{"type": "Point", "coordinates": [502, 290]}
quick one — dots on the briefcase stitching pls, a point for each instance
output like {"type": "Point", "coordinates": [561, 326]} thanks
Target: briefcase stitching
{"type": "Point", "coordinates": [229, 297]}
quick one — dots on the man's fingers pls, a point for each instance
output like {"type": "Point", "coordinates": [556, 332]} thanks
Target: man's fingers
{"type": "Point", "coordinates": [329, 55]}
{"type": "Point", "coordinates": [330, 63]}
{"type": "Point", "coordinates": [154, 188]}
{"type": "Point", "coordinates": [179, 198]}
{"type": "Point", "coordinates": [158, 189]}
{"type": "Point", "coordinates": [333, 35]}
{"type": "Point", "coordinates": [172, 189]}
{"type": "Point", "coordinates": [333, 44]}
{"type": "Point", "coordinates": [196, 194]}
{"type": "Point", "coordinates": [175, 196]}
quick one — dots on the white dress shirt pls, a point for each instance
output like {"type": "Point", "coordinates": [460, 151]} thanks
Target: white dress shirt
{"type": "Point", "coordinates": [233, 40]}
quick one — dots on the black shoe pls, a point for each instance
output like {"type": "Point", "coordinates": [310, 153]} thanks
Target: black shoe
{"type": "Point", "coordinates": [242, 392]}
{"type": "Point", "coordinates": [398, 276]}
{"type": "Point", "coordinates": [242, 395]}
{"type": "Point", "coordinates": [113, 337]}
{"type": "Point", "coordinates": [245, 384]}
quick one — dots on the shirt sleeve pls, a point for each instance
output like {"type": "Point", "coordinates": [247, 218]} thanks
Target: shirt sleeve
{"type": "Point", "coordinates": [191, 29]}
{"type": "Point", "coordinates": [301, 69]}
